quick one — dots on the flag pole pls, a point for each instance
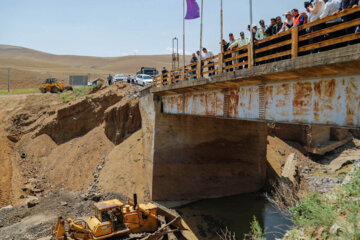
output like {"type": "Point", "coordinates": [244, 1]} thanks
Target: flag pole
{"type": "Point", "coordinates": [183, 39]}
{"type": "Point", "coordinates": [251, 63]}
{"type": "Point", "coordinates": [201, 35]}
{"type": "Point", "coordinates": [221, 35]}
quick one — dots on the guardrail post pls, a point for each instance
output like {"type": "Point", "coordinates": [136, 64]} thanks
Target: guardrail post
{"type": "Point", "coordinates": [183, 73]}
{"type": "Point", "coordinates": [200, 67]}
{"type": "Point", "coordinates": [294, 42]}
{"type": "Point", "coordinates": [250, 56]}
{"type": "Point", "coordinates": [220, 61]}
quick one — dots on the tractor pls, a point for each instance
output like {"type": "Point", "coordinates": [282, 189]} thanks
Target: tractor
{"type": "Point", "coordinates": [53, 86]}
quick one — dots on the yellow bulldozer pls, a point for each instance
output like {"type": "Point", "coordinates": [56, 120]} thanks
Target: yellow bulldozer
{"type": "Point", "coordinates": [54, 86]}
{"type": "Point", "coordinates": [115, 220]}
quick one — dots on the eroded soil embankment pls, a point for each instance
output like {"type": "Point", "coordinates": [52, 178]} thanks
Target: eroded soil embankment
{"type": "Point", "coordinates": [8, 104]}
{"type": "Point", "coordinates": [67, 145]}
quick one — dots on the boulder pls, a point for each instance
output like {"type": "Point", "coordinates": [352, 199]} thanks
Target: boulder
{"type": "Point", "coordinates": [290, 168]}
{"type": "Point", "coordinates": [335, 229]}
{"type": "Point", "coordinates": [9, 207]}
{"type": "Point", "coordinates": [32, 201]}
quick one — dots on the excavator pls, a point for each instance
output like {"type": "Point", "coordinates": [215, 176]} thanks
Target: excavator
{"type": "Point", "coordinates": [115, 220]}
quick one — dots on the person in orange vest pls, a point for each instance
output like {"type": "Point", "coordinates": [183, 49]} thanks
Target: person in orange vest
{"type": "Point", "coordinates": [299, 19]}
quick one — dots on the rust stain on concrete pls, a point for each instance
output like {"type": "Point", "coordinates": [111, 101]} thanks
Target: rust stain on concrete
{"type": "Point", "coordinates": [302, 101]}
{"type": "Point", "coordinates": [210, 99]}
{"type": "Point", "coordinates": [248, 102]}
{"type": "Point", "coordinates": [282, 90]}
{"type": "Point", "coordinates": [233, 102]}
{"type": "Point", "coordinates": [325, 101]}
{"type": "Point", "coordinates": [268, 95]}
{"type": "Point", "coordinates": [352, 102]}
{"type": "Point", "coordinates": [208, 103]}
{"type": "Point", "coordinates": [220, 103]}
{"type": "Point", "coordinates": [173, 104]}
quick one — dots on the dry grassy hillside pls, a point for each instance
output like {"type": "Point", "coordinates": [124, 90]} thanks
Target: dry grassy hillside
{"type": "Point", "coordinates": [30, 67]}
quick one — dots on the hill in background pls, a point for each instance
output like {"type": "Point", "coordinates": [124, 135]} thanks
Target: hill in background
{"type": "Point", "coordinates": [29, 67]}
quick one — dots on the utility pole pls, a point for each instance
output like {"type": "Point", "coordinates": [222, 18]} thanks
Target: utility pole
{"type": "Point", "coordinates": [8, 79]}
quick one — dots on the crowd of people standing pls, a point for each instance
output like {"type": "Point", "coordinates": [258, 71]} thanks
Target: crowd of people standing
{"type": "Point", "coordinates": [314, 10]}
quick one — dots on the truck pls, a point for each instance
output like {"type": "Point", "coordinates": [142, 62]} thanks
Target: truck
{"type": "Point", "coordinates": [151, 71]}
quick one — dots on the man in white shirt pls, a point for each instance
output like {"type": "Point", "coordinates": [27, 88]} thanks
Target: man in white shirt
{"type": "Point", "coordinates": [242, 41]}
{"type": "Point", "coordinates": [331, 7]}
{"type": "Point", "coordinates": [209, 54]}
{"type": "Point", "coordinates": [231, 41]}
{"type": "Point", "coordinates": [288, 23]}
{"type": "Point", "coordinates": [262, 28]}
{"type": "Point", "coordinates": [315, 9]}
{"type": "Point", "coordinates": [231, 38]}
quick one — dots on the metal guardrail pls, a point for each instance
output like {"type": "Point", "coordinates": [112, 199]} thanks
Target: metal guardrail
{"type": "Point", "coordinates": [295, 42]}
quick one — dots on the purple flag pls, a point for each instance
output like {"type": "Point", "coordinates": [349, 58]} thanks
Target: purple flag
{"type": "Point", "coordinates": [192, 10]}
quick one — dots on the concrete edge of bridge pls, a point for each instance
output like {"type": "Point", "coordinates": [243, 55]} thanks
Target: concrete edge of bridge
{"type": "Point", "coordinates": [335, 62]}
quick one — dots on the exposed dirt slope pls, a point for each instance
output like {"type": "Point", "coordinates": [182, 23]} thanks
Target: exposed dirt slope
{"type": "Point", "coordinates": [80, 116]}
{"type": "Point", "coordinates": [10, 105]}
{"type": "Point", "coordinates": [65, 144]}
{"type": "Point", "coordinates": [124, 169]}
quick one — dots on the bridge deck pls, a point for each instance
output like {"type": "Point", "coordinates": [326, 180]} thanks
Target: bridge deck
{"type": "Point", "coordinates": [291, 77]}
{"type": "Point", "coordinates": [322, 88]}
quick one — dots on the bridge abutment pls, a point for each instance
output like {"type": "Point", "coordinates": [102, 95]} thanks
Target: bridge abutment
{"type": "Point", "coordinates": [201, 157]}
{"type": "Point", "coordinates": [210, 134]}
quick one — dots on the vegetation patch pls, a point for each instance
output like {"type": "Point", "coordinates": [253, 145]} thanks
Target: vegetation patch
{"type": "Point", "coordinates": [77, 93]}
{"type": "Point", "coordinates": [20, 91]}
{"type": "Point", "coordinates": [330, 216]}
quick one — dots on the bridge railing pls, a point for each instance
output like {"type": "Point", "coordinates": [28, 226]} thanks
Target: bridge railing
{"type": "Point", "coordinates": [236, 58]}
{"type": "Point", "coordinates": [331, 32]}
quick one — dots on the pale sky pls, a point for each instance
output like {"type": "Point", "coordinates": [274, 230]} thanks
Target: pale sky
{"type": "Point", "coordinates": [125, 27]}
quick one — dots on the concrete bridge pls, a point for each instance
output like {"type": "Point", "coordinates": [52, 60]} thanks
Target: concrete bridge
{"type": "Point", "coordinates": [321, 88]}
{"type": "Point", "coordinates": [210, 133]}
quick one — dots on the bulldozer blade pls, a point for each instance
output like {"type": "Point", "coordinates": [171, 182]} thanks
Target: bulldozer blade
{"type": "Point", "coordinates": [165, 229]}
{"type": "Point", "coordinates": [177, 223]}
{"type": "Point", "coordinates": [58, 231]}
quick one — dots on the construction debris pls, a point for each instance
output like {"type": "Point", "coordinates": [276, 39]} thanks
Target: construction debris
{"type": "Point", "coordinates": [290, 169]}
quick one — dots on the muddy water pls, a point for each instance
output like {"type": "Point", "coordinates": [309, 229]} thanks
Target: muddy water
{"type": "Point", "coordinates": [207, 217]}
